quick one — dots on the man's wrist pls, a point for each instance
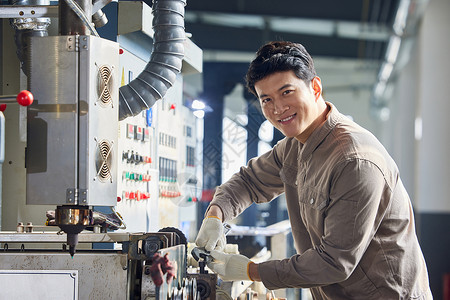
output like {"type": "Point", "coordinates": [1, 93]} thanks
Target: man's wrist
{"type": "Point", "coordinates": [215, 211]}
{"type": "Point", "coordinates": [253, 272]}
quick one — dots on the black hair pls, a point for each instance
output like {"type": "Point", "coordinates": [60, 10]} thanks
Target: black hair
{"type": "Point", "coordinates": [280, 56]}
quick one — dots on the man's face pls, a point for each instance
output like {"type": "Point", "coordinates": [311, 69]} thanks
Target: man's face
{"type": "Point", "coordinates": [289, 103]}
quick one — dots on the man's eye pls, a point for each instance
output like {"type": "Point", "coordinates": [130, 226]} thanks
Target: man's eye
{"type": "Point", "coordinates": [265, 100]}
{"type": "Point", "coordinates": [287, 92]}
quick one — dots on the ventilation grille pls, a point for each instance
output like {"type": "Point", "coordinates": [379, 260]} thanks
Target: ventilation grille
{"type": "Point", "coordinates": [103, 161]}
{"type": "Point", "coordinates": [105, 84]}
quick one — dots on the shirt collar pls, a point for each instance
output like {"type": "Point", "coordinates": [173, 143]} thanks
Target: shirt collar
{"type": "Point", "coordinates": [320, 133]}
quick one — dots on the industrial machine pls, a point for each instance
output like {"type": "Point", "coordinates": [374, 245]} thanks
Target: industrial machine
{"type": "Point", "coordinates": [104, 181]}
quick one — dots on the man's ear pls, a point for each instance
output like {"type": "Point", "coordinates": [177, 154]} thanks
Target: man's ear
{"type": "Point", "coordinates": [317, 86]}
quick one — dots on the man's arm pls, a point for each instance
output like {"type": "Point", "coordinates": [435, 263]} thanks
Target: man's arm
{"type": "Point", "coordinates": [258, 182]}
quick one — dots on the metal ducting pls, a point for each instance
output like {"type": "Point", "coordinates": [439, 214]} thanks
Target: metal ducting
{"type": "Point", "coordinates": [165, 61]}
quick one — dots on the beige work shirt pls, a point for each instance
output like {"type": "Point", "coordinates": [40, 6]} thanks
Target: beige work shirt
{"type": "Point", "coordinates": [351, 217]}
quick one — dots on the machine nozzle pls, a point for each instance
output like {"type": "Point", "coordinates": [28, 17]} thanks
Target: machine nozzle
{"type": "Point", "coordinates": [72, 220]}
{"type": "Point", "coordinates": [72, 251]}
{"type": "Point", "coordinates": [72, 241]}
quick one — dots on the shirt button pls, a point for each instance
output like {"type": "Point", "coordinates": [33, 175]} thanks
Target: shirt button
{"type": "Point", "coordinates": [311, 201]}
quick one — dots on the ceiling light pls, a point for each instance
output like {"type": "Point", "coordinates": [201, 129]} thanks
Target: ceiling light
{"type": "Point", "coordinates": [197, 104]}
{"type": "Point", "coordinates": [379, 89]}
{"type": "Point", "coordinates": [386, 71]}
{"type": "Point", "coordinates": [401, 16]}
{"type": "Point", "coordinates": [393, 48]}
{"type": "Point", "coordinates": [199, 114]}
{"type": "Point", "coordinates": [306, 26]}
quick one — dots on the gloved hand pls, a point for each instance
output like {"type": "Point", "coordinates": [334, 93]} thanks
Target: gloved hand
{"type": "Point", "coordinates": [210, 235]}
{"type": "Point", "coordinates": [230, 267]}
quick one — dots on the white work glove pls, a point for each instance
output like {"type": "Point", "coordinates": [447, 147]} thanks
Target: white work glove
{"type": "Point", "coordinates": [230, 267]}
{"type": "Point", "coordinates": [211, 236]}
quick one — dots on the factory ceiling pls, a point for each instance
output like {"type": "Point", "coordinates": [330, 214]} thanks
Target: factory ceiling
{"type": "Point", "coordinates": [358, 29]}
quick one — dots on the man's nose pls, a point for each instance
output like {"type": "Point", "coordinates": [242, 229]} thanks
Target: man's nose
{"type": "Point", "coordinates": [280, 107]}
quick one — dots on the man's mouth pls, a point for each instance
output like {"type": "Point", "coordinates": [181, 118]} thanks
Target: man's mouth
{"type": "Point", "coordinates": [287, 119]}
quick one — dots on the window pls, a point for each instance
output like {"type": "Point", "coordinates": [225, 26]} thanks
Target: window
{"type": "Point", "coordinates": [190, 156]}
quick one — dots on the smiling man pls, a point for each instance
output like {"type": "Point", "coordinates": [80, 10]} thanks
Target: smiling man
{"type": "Point", "coordinates": [351, 217]}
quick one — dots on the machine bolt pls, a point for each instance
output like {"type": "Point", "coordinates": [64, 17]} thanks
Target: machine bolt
{"type": "Point", "coordinates": [29, 227]}
{"type": "Point", "coordinates": [20, 227]}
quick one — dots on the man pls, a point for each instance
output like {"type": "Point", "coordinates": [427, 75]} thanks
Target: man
{"type": "Point", "coordinates": [351, 217]}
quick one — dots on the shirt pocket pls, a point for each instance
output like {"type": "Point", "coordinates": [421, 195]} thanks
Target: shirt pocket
{"type": "Point", "coordinates": [313, 205]}
{"type": "Point", "coordinates": [313, 198]}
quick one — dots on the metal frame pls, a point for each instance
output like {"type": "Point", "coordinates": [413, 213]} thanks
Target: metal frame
{"type": "Point", "coordinates": [19, 11]}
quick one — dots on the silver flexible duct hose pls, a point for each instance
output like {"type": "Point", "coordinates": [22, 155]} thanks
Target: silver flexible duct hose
{"type": "Point", "coordinates": [165, 62]}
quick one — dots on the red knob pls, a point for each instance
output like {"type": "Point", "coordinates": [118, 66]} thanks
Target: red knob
{"type": "Point", "coordinates": [2, 107]}
{"type": "Point", "coordinates": [25, 98]}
